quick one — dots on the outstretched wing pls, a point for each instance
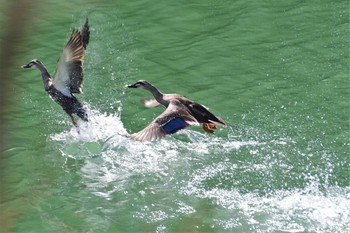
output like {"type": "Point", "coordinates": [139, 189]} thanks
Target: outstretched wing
{"type": "Point", "coordinates": [69, 72]}
{"type": "Point", "coordinates": [173, 119]}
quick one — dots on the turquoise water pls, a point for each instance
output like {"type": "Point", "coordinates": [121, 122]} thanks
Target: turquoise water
{"type": "Point", "coordinates": [277, 73]}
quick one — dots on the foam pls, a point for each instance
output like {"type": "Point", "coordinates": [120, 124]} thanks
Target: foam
{"type": "Point", "coordinates": [189, 162]}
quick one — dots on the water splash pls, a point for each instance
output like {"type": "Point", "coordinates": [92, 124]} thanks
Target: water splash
{"type": "Point", "coordinates": [252, 180]}
{"type": "Point", "coordinates": [294, 210]}
{"type": "Point", "coordinates": [100, 126]}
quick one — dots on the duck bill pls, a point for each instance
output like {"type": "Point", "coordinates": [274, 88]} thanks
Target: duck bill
{"type": "Point", "coordinates": [132, 86]}
{"type": "Point", "coordinates": [26, 66]}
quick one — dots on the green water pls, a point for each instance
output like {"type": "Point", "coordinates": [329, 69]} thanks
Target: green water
{"type": "Point", "coordinates": [276, 72]}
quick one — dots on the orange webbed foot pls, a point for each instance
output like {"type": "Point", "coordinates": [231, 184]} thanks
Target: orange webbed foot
{"type": "Point", "coordinates": [209, 127]}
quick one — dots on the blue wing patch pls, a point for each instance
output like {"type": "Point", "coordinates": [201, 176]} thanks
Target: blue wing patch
{"type": "Point", "coordinates": [174, 125]}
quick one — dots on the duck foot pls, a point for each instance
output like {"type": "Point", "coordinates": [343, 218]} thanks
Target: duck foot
{"type": "Point", "coordinates": [209, 127]}
{"type": "Point", "coordinates": [74, 123]}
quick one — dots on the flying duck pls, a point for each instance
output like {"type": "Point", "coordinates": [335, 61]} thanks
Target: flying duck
{"type": "Point", "coordinates": [69, 74]}
{"type": "Point", "coordinates": [180, 113]}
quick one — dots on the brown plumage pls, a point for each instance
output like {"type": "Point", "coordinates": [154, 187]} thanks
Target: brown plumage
{"type": "Point", "coordinates": [180, 113]}
{"type": "Point", "coordinates": [68, 78]}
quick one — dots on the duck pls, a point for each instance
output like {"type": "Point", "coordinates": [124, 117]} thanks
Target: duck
{"type": "Point", "coordinates": [68, 78]}
{"type": "Point", "coordinates": [180, 113]}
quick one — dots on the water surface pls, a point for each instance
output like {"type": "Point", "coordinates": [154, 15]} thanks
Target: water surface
{"type": "Point", "coordinates": [277, 73]}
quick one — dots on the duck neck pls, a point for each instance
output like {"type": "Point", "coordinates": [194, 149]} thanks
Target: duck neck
{"type": "Point", "coordinates": [47, 80]}
{"type": "Point", "coordinates": [159, 96]}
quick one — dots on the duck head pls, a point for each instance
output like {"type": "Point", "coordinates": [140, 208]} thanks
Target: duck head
{"type": "Point", "coordinates": [35, 63]}
{"type": "Point", "coordinates": [140, 84]}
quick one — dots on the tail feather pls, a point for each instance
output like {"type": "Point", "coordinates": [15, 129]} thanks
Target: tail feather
{"type": "Point", "coordinates": [218, 120]}
{"type": "Point", "coordinates": [81, 113]}
{"type": "Point", "coordinates": [83, 116]}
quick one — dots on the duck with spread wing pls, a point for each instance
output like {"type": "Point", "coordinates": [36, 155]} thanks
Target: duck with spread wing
{"type": "Point", "coordinates": [69, 74]}
{"type": "Point", "coordinates": [180, 113]}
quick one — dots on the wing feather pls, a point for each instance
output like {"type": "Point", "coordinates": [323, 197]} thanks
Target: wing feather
{"type": "Point", "coordinates": [173, 119]}
{"type": "Point", "coordinates": [69, 72]}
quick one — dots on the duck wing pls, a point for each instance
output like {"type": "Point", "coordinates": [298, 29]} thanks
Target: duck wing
{"type": "Point", "coordinates": [173, 119]}
{"type": "Point", "coordinates": [69, 72]}
{"type": "Point", "coordinates": [85, 33]}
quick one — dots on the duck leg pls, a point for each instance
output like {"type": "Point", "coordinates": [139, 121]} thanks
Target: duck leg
{"type": "Point", "coordinates": [74, 123]}
{"type": "Point", "coordinates": [209, 127]}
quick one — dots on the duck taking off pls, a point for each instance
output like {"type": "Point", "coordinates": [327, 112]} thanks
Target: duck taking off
{"type": "Point", "coordinates": [69, 74]}
{"type": "Point", "coordinates": [180, 113]}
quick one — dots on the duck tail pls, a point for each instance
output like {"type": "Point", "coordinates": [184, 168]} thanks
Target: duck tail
{"type": "Point", "coordinates": [81, 113]}
{"type": "Point", "coordinates": [218, 121]}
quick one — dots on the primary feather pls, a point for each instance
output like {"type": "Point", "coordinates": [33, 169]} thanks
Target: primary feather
{"type": "Point", "coordinates": [69, 72]}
